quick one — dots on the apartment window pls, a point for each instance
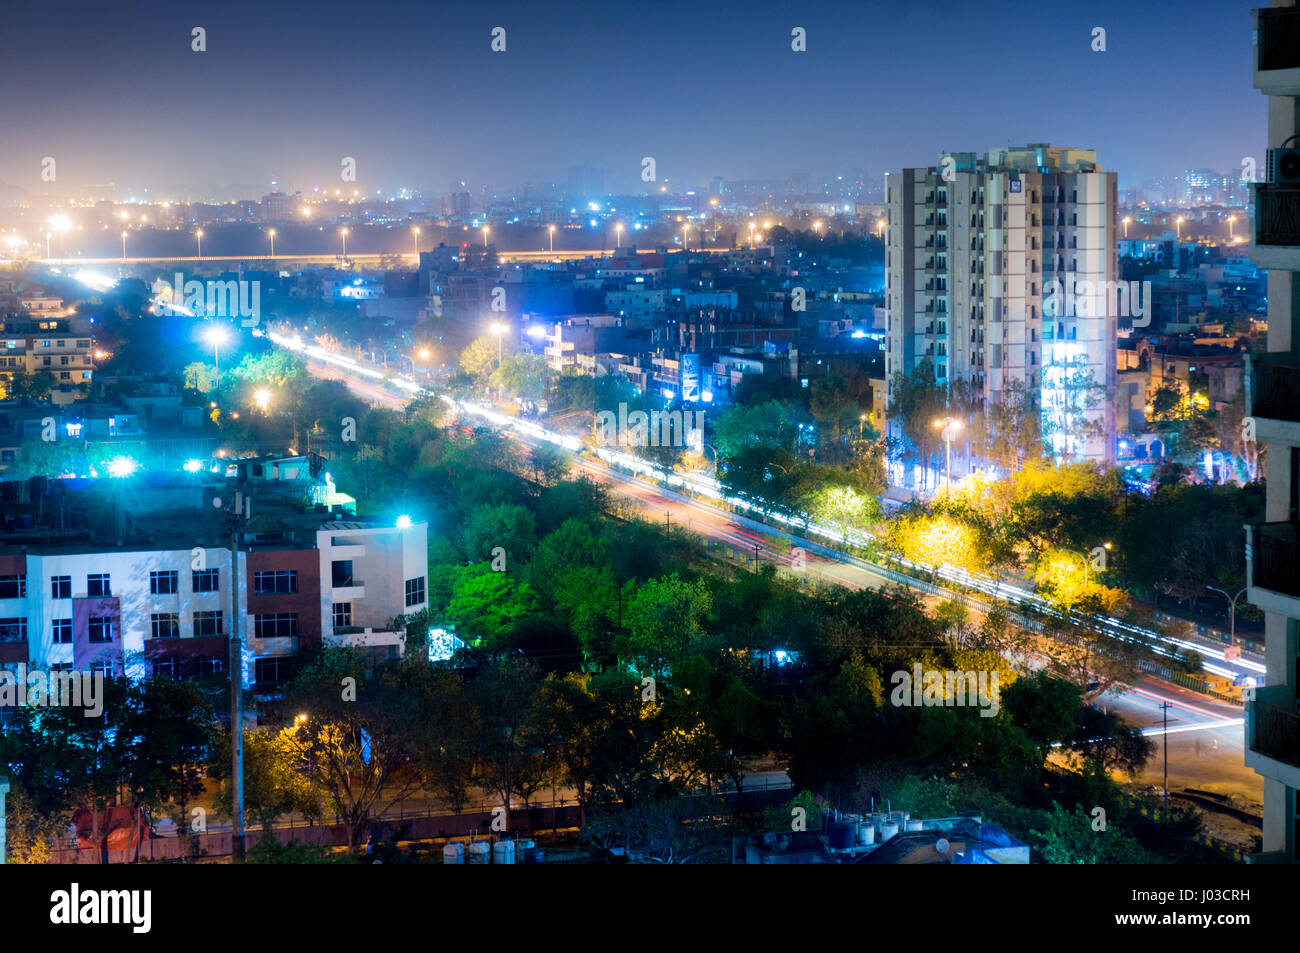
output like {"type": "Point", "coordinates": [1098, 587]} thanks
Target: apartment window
{"type": "Point", "coordinates": [205, 580]}
{"type": "Point", "coordinates": [13, 587]}
{"type": "Point", "coordinates": [13, 630]}
{"type": "Point", "coordinates": [101, 668]}
{"type": "Point", "coordinates": [211, 665]}
{"type": "Point", "coordinates": [165, 625]}
{"type": "Point", "coordinates": [341, 570]}
{"type": "Point", "coordinates": [275, 580]}
{"type": "Point", "coordinates": [415, 591]}
{"type": "Point", "coordinates": [276, 625]}
{"type": "Point", "coordinates": [343, 614]}
{"type": "Point", "coordinates": [101, 628]}
{"type": "Point", "coordinates": [167, 666]}
{"type": "Point", "coordinates": [164, 582]}
{"type": "Point", "coordinates": [62, 631]}
{"type": "Point", "coordinates": [99, 584]}
{"type": "Point", "coordinates": [273, 670]}
{"type": "Point", "coordinates": [60, 587]}
{"type": "Point", "coordinates": [207, 623]}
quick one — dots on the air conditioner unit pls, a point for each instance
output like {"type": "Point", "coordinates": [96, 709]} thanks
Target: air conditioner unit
{"type": "Point", "coordinates": [1283, 167]}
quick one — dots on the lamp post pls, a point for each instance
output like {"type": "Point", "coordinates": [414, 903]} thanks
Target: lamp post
{"type": "Point", "coordinates": [1126, 221]}
{"type": "Point", "coordinates": [124, 245]}
{"type": "Point", "coordinates": [1232, 611]}
{"type": "Point", "coordinates": [686, 228]}
{"type": "Point", "coordinates": [551, 231]}
{"type": "Point", "coordinates": [949, 425]}
{"type": "Point", "coordinates": [415, 240]}
{"type": "Point", "coordinates": [1231, 221]}
{"type": "Point", "coordinates": [216, 336]}
{"type": "Point", "coordinates": [271, 235]}
{"type": "Point", "coordinates": [198, 236]}
{"type": "Point", "coordinates": [343, 232]}
{"type": "Point", "coordinates": [618, 235]}
{"type": "Point", "coordinates": [485, 236]}
{"type": "Point", "coordinates": [1179, 226]}
{"type": "Point", "coordinates": [1084, 558]}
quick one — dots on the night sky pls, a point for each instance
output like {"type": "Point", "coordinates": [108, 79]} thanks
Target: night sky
{"type": "Point", "coordinates": [413, 92]}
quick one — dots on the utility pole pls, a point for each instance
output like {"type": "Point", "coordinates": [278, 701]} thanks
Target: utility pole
{"type": "Point", "coordinates": [236, 515]}
{"type": "Point", "coordinates": [1164, 714]}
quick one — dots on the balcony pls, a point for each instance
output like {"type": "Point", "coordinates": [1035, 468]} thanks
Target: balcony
{"type": "Point", "coordinates": [1277, 227]}
{"type": "Point", "coordinates": [1274, 397]}
{"type": "Point", "coordinates": [1277, 51]}
{"type": "Point", "coordinates": [357, 637]}
{"type": "Point", "coordinates": [1273, 735]}
{"type": "Point", "coordinates": [1273, 567]}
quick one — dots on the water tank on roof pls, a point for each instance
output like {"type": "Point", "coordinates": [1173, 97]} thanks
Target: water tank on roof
{"type": "Point", "coordinates": [453, 852]}
{"type": "Point", "coordinates": [503, 852]}
{"type": "Point", "coordinates": [887, 830]}
{"type": "Point", "coordinates": [478, 852]}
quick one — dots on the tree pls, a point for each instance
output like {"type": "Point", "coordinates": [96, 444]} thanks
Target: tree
{"type": "Point", "coordinates": [489, 605]}
{"type": "Point", "coordinates": [357, 737]}
{"type": "Point", "coordinates": [525, 375]}
{"type": "Point", "coordinates": [23, 385]}
{"type": "Point", "coordinates": [479, 359]}
{"type": "Point", "coordinates": [504, 525]}
{"type": "Point", "coordinates": [665, 620]}
{"type": "Point", "coordinates": [275, 781]}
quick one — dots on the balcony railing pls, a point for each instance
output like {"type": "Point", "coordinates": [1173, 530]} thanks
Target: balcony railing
{"type": "Point", "coordinates": [1277, 733]}
{"type": "Point", "coordinates": [1277, 215]}
{"type": "Point", "coordinates": [1275, 386]}
{"type": "Point", "coordinates": [1279, 38]}
{"type": "Point", "coordinates": [1276, 557]}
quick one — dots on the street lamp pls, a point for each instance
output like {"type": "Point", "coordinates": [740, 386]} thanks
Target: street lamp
{"type": "Point", "coordinates": [262, 397]}
{"type": "Point", "coordinates": [343, 232]}
{"type": "Point", "coordinates": [1084, 558]}
{"type": "Point", "coordinates": [198, 236]}
{"type": "Point", "coordinates": [485, 235]}
{"type": "Point", "coordinates": [271, 235]}
{"type": "Point", "coordinates": [1231, 220]}
{"type": "Point", "coordinates": [949, 425]}
{"type": "Point", "coordinates": [686, 227]}
{"type": "Point", "coordinates": [862, 425]}
{"type": "Point", "coordinates": [551, 230]}
{"type": "Point", "coordinates": [216, 335]}
{"type": "Point", "coordinates": [1179, 225]}
{"type": "Point", "coordinates": [498, 329]}
{"type": "Point", "coordinates": [415, 238]}
{"type": "Point", "coordinates": [1127, 219]}
{"type": "Point", "coordinates": [880, 228]}
{"type": "Point", "coordinates": [1232, 612]}
{"type": "Point", "coordinates": [618, 235]}
{"type": "Point", "coordinates": [124, 245]}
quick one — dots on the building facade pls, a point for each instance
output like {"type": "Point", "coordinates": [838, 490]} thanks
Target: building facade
{"type": "Point", "coordinates": [1273, 550]}
{"type": "Point", "coordinates": [984, 258]}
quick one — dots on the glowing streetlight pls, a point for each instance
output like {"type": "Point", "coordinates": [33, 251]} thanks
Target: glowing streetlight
{"type": "Point", "coordinates": [403, 522]}
{"type": "Point", "coordinates": [1231, 220]}
{"type": "Point", "coordinates": [551, 230]}
{"type": "Point", "coordinates": [485, 236]}
{"type": "Point", "coordinates": [198, 236]}
{"type": "Point", "coordinates": [1127, 219]}
{"type": "Point", "coordinates": [415, 241]}
{"type": "Point", "coordinates": [618, 235]}
{"type": "Point", "coordinates": [950, 425]}
{"type": "Point", "coordinates": [271, 234]}
{"type": "Point", "coordinates": [498, 329]}
{"type": "Point", "coordinates": [262, 397]}
{"type": "Point", "coordinates": [343, 233]}
{"type": "Point", "coordinates": [216, 335]}
{"type": "Point", "coordinates": [124, 244]}
{"type": "Point", "coordinates": [686, 228]}
{"type": "Point", "coordinates": [1179, 223]}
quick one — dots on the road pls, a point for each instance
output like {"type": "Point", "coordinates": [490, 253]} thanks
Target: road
{"type": "Point", "coordinates": [1205, 737]}
{"type": "Point", "coordinates": [366, 259]}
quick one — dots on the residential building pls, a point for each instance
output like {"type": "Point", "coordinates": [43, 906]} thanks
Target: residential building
{"type": "Point", "coordinates": [1273, 550]}
{"type": "Point", "coordinates": [975, 249]}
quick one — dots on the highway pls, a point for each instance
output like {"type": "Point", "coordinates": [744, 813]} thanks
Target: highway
{"type": "Point", "coordinates": [365, 259]}
{"type": "Point", "coordinates": [1205, 737]}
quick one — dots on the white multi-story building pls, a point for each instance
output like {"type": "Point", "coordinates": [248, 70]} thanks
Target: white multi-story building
{"type": "Point", "coordinates": [1273, 552]}
{"type": "Point", "coordinates": [973, 246]}
{"type": "Point", "coordinates": [136, 610]}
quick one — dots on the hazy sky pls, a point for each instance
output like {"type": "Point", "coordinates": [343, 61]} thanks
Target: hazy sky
{"type": "Point", "coordinates": [413, 91]}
